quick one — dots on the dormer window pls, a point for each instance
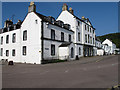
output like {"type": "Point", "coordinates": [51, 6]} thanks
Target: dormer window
{"type": "Point", "coordinates": [14, 27]}
{"type": "Point", "coordinates": [53, 20]}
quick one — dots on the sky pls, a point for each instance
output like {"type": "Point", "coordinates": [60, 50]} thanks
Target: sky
{"type": "Point", "coordinates": [103, 15]}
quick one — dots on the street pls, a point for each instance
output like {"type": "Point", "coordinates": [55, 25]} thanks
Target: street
{"type": "Point", "coordinates": [88, 72]}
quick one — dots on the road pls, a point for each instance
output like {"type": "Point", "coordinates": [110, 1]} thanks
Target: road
{"type": "Point", "coordinates": [89, 72]}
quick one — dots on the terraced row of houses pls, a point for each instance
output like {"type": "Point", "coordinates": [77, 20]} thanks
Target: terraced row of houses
{"type": "Point", "coordinates": [39, 39]}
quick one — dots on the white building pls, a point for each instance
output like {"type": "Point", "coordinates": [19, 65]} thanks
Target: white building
{"type": "Point", "coordinates": [98, 44]}
{"type": "Point", "coordinates": [38, 39]}
{"type": "Point", "coordinates": [111, 46]}
{"type": "Point", "coordinates": [84, 32]}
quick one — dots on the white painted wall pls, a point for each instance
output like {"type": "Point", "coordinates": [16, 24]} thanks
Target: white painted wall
{"type": "Point", "coordinates": [33, 42]}
{"type": "Point", "coordinates": [70, 19]}
{"type": "Point", "coordinates": [57, 42]}
{"type": "Point", "coordinates": [98, 44]}
{"type": "Point", "coordinates": [111, 45]}
{"type": "Point", "coordinates": [10, 46]}
{"type": "Point", "coordinates": [100, 52]}
{"type": "Point", "coordinates": [63, 53]}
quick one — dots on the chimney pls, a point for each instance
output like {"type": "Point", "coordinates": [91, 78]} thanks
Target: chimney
{"type": "Point", "coordinates": [7, 23]}
{"type": "Point", "coordinates": [32, 7]}
{"type": "Point", "coordinates": [83, 18]}
{"type": "Point", "coordinates": [71, 10]}
{"type": "Point", "coordinates": [19, 22]}
{"type": "Point", "coordinates": [65, 7]}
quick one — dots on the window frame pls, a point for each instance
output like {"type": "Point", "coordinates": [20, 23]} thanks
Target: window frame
{"type": "Point", "coordinates": [70, 38]}
{"type": "Point", "coordinates": [1, 52]}
{"type": "Point", "coordinates": [85, 27]}
{"type": "Point", "coordinates": [1, 40]}
{"type": "Point", "coordinates": [52, 34]}
{"type": "Point", "coordinates": [52, 50]}
{"type": "Point", "coordinates": [78, 36]}
{"type": "Point", "coordinates": [62, 36]}
{"type": "Point", "coordinates": [13, 37]}
{"type": "Point", "coordinates": [86, 39]}
{"type": "Point", "coordinates": [79, 50]}
{"type": "Point", "coordinates": [25, 35]}
{"type": "Point", "coordinates": [24, 50]}
{"type": "Point", "coordinates": [7, 39]}
{"type": "Point", "coordinates": [13, 52]}
{"type": "Point", "coordinates": [7, 53]}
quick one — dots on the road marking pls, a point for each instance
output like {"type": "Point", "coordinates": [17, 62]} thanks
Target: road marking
{"type": "Point", "coordinates": [99, 60]}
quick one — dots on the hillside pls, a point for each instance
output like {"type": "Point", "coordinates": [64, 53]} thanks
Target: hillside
{"type": "Point", "coordinates": [114, 37]}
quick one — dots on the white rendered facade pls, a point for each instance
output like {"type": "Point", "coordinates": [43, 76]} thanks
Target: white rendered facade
{"type": "Point", "coordinates": [111, 45]}
{"type": "Point", "coordinates": [78, 26]}
{"type": "Point", "coordinates": [37, 45]}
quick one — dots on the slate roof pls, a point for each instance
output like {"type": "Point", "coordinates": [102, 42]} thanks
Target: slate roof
{"type": "Point", "coordinates": [45, 18]}
{"type": "Point", "coordinates": [65, 44]}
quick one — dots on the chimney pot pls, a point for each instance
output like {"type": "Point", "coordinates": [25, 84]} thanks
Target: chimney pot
{"type": "Point", "coordinates": [65, 7]}
{"type": "Point", "coordinates": [32, 7]}
{"type": "Point", "coordinates": [71, 10]}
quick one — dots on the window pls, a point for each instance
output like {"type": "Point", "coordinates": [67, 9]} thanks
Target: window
{"type": "Point", "coordinates": [88, 28]}
{"type": "Point", "coordinates": [86, 38]}
{"type": "Point", "coordinates": [13, 52]}
{"type": "Point", "coordinates": [1, 40]}
{"type": "Point", "coordinates": [25, 35]}
{"type": "Point", "coordinates": [93, 41]}
{"type": "Point", "coordinates": [69, 38]}
{"type": "Point", "coordinates": [36, 21]}
{"type": "Point", "coordinates": [79, 51]}
{"type": "Point", "coordinates": [24, 50]}
{"type": "Point", "coordinates": [7, 53]}
{"type": "Point", "coordinates": [14, 38]}
{"type": "Point", "coordinates": [78, 23]}
{"type": "Point", "coordinates": [85, 27]}
{"type": "Point", "coordinates": [62, 36]}
{"type": "Point", "coordinates": [79, 36]}
{"type": "Point", "coordinates": [52, 34]}
{"type": "Point", "coordinates": [7, 39]}
{"type": "Point", "coordinates": [1, 52]}
{"type": "Point", "coordinates": [52, 50]}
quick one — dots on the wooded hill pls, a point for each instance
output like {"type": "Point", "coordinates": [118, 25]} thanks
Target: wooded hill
{"type": "Point", "coordinates": [114, 37]}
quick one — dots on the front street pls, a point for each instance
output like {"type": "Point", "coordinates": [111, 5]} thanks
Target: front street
{"type": "Point", "coordinates": [89, 72]}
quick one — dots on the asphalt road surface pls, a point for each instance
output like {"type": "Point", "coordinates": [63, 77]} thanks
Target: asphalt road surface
{"type": "Point", "coordinates": [89, 72]}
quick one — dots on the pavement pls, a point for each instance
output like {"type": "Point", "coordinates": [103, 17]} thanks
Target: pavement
{"type": "Point", "coordinates": [88, 72]}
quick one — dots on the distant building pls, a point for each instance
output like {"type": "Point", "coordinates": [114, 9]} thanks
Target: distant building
{"type": "Point", "coordinates": [111, 46]}
{"type": "Point", "coordinates": [98, 44]}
